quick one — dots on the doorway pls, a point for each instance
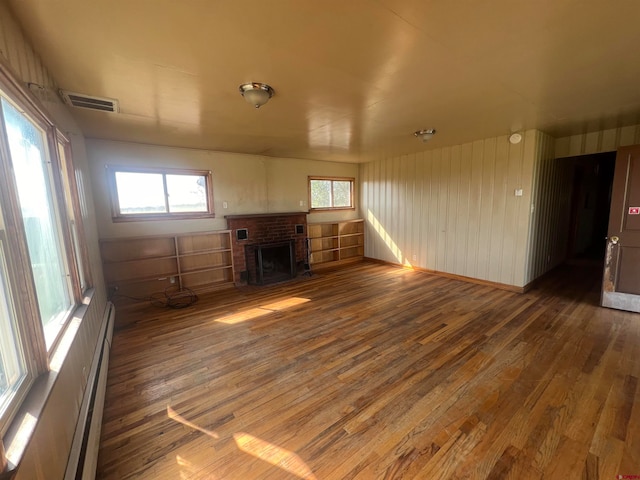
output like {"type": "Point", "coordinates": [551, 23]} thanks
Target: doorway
{"type": "Point", "coordinates": [590, 204]}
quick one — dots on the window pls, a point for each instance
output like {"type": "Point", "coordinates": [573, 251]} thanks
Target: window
{"type": "Point", "coordinates": [39, 277]}
{"type": "Point", "coordinates": [327, 193]}
{"type": "Point", "coordinates": [155, 193]}
{"type": "Point", "coordinates": [74, 213]}
{"type": "Point", "coordinates": [33, 176]}
{"type": "Point", "coordinates": [13, 370]}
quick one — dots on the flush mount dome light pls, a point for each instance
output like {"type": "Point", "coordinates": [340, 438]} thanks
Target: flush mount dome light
{"type": "Point", "coordinates": [425, 135]}
{"type": "Point", "coordinates": [257, 94]}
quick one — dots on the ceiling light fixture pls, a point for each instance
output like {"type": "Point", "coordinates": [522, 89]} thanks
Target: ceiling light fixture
{"type": "Point", "coordinates": [257, 94]}
{"type": "Point", "coordinates": [425, 135]}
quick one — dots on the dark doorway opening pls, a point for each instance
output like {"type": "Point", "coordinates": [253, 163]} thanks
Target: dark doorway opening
{"type": "Point", "coordinates": [590, 205]}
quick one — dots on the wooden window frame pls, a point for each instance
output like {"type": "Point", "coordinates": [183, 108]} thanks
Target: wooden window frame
{"type": "Point", "coordinates": [30, 330]}
{"type": "Point", "coordinates": [118, 216]}
{"type": "Point", "coordinates": [31, 356]}
{"type": "Point", "coordinates": [69, 191]}
{"type": "Point", "coordinates": [351, 180]}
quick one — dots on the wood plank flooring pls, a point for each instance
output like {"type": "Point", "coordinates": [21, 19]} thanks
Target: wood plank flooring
{"type": "Point", "coordinates": [375, 372]}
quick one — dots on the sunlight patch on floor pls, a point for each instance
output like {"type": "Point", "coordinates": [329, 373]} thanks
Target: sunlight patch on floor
{"type": "Point", "coordinates": [257, 312]}
{"type": "Point", "coordinates": [173, 415]}
{"type": "Point", "coordinates": [273, 454]}
{"type": "Point", "coordinates": [188, 469]}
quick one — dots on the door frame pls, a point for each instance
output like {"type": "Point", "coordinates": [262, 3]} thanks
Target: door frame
{"type": "Point", "coordinates": [610, 298]}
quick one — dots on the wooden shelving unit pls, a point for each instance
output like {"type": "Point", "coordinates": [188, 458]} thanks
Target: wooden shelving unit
{"type": "Point", "coordinates": [141, 266]}
{"type": "Point", "coordinates": [333, 243]}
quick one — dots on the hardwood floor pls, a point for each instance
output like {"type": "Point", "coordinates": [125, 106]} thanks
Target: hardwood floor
{"type": "Point", "coordinates": [374, 372]}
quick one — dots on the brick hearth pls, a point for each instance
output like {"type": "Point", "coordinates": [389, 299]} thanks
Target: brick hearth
{"type": "Point", "coordinates": [266, 228]}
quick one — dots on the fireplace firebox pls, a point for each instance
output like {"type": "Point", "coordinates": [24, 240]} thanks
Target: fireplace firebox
{"type": "Point", "coordinates": [272, 263]}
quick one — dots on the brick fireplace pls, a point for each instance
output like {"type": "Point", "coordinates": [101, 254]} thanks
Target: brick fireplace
{"type": "Point", "coordinates": [267, 231]}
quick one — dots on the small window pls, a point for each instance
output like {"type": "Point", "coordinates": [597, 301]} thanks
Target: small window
{"type": "Point", "coordinates": [150, 193]}
{"type": "Point", "coordinates": [327, 193]}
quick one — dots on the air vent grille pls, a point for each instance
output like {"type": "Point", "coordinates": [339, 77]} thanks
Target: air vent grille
{"type": "Point", "coordinates": [87, 101]}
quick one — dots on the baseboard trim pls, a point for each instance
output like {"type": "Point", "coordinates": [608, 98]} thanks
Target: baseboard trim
{"type": "Point", "coordinates": [84, 449]}
{"type": "Point", "coordinates": [452, 276]}
{"type": "Point", "coordinates": [335, 264]}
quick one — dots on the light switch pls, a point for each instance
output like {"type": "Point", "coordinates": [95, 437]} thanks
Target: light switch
{"type": "Point", "coordinates": [518, 192]}
{"type": "Point", "coordinates": [225, 205]}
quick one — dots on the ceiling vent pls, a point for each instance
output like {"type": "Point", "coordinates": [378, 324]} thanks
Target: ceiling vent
{"type": "Point", "coordinates": [92, 103]}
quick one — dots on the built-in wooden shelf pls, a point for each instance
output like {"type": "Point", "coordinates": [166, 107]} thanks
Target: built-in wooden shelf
{"type": "Point", "coordinates": [142, 266]}
{"type": "Point", "coordinates": [333, 243]}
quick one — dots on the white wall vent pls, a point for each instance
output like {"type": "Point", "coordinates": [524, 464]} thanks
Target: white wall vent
{"type": "Point", "coordinates": [87, 101]}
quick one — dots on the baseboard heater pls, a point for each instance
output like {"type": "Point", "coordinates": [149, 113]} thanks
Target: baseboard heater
{"type": "Point", "coordinates": [83, 458]}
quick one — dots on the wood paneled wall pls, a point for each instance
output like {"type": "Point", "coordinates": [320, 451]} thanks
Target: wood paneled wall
{"type": "Point", "coordinates": [454, 209]}
{"type": "Point", "coordinates": [46, 455]}
{"type": "Point", "coordinates": [597, 142]}
{"type": "Point", "coordinates": [18, 52]}
{"type": "Point", "coordinates": [551, 208]}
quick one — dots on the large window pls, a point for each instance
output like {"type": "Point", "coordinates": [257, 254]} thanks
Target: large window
{"type": "Point", "coordinates": [34, 182]}
{"type": "Point", "coordinates": [329, 193]}
{"type": "Point", "coordinates": [42, 269]}
{"type": "Point", "coordinates": [13, 369]}
{"type": "Point", "coordinates": [153, 193]}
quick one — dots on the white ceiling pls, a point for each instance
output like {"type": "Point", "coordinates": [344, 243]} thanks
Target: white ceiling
{"type": "Point", "coordinates": [353, 78]}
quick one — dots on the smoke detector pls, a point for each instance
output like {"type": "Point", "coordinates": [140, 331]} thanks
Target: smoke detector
{"type": "Point", "coordinates": [515, 138]}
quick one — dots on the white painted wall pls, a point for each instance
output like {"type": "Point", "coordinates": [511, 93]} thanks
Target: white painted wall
{"type": "Point", "coordinates": [247, 183]}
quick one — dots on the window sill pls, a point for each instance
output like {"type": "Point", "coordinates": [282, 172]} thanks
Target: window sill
{"type": "Point", "coordinates": [330, 209]}
{"type": "Point", "coordinates": [24, 424]}
{"type": "Point", "coordinates": [162, 216]}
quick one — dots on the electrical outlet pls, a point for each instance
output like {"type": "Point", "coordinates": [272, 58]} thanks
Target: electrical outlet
{"type": "Point", "coordinates": [225, 205]}
{"type": "Point", "coordinates": [302, 203]}
{"type": "Point", "coordinates": [172, 279]}
{"type": "Point", "coordinates": [414, 258]}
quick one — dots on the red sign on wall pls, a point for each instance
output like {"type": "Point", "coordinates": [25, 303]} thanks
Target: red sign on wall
{"type": "Point", "coordinates": [634, 210]}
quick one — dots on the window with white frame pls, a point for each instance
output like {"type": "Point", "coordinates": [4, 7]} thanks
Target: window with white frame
{"type": "Point", "coordinates": [331, 193]}
{"type": "Point", "coordinates": [159, 193]}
